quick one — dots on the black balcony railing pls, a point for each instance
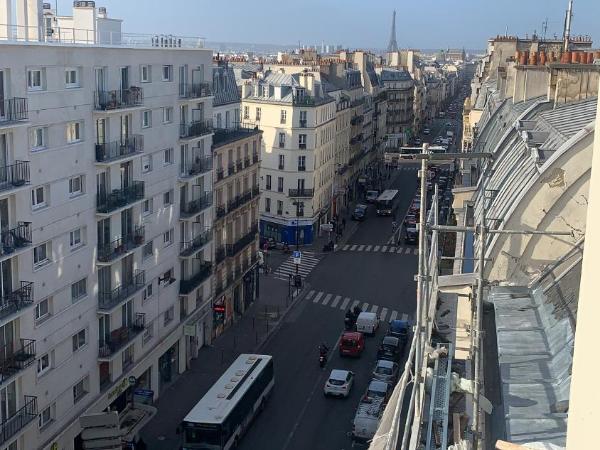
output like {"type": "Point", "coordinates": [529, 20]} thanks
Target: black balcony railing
{"type": "Point", "coordinates": [115, 150]}
{"type": "Point", "coordinates": [110, 299]}
{"type": "Point", "coordinates": [14, 175]}
{"type": "Point", "coordinates": [13, 110]}
{"type": "Point", "coordinates": [302, 145]}
{"type": "Point", "coordinates": [189, 247]}
{"type": "Point", "coordinates": [301, 168]}
{"type": "Point", "coordinates": [255, 190]}
{"type": "Point", "coordinates": [14, 360]}
{"type": "Point", "coordinates": [220, 211]}
{"type": "Point", "coordinates": [194, 90]}
{"type": "Point", "coordinates": [118, 99]}
{"type": "Point", "coordinates": [220, 254]}
{"type": "Point", "coordinates": [195, 206]}
{"type": "Point", "coordinates": [14, 423]}
{"type": "Point", "coordinates": [107, 202]}
{"type": "Point", "coordinates": [255, 158]}
{"type": "Point", "coordinates": [306, 193]}
{"type": "Point", "coordinates": [119, 247]}
{"type": "Point", "coordinates": [200, 165]}
{"type": "Point", "coordinates": [120, 337]}
{"type": "Point", "coordinates": [230, 169]}
{"type": "Point", "coordinates": [240, 244]}
{"type": "Point", "coordinates": [16, 300]}
{"type": "Point", "coordinates": [15, 238]}
{"type": "Point", "coordinates": [188, 284]}
{"type": "Point", "coordinates": [247, 161]}
{"type": "Point", "coordinates": [226, 135]}
{"type": "Point", "coordinates": [239, 165]}
{"type": "Point", "coordinates": [195, 129]}
{"type": "Point", "coordinates": [220, 174]}
{"type": "Point", "coordinates": [302, 123]}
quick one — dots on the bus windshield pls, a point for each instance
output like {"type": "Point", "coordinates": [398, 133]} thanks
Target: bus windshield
{"type": "Point", "coordinates": [385, 202]}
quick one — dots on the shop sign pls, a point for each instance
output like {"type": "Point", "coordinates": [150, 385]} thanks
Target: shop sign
{"type": "Point", "coordinates": [189, 330]}
{"type": "Point", "coordinates": [118, 389]}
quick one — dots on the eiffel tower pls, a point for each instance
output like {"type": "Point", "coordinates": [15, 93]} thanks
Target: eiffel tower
{"type": "Point", "coordinates": [393, 45]}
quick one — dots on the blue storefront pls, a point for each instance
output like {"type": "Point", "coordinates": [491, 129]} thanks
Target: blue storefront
{"type": "Point", "coordinates": [286, 231]}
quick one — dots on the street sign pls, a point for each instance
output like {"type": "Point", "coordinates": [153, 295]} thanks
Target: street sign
{"type": "Point", "coordinates": [327, 227]}
{"type": "Point", "coordinates": [297, 255]}
{"type": "Point", "coordinates": [132, 380]}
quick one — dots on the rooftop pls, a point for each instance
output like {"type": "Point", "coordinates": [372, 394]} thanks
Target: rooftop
{"type": "Point", "coordinates": [224, 136]}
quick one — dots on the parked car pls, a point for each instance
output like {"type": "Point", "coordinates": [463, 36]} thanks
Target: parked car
{"type": "Point", "coordinates": [399, 328]}
{"type": "Point", "coordinates": [367, 322]}
{"type": "Point", "coordinates": [372, 196]}
{"type": "Point", "coordinates": [386, 371]}
{"type": "Point", "coordinates": [390, 349]}
{"type": "Point", "coordinates": [426, 131]}
{"type": "Point", "coordinates": [411, 235]}
{"type": "Point", "coordinates": [360, 212]}
{"type": "Point", "coordinates": [378, 389]}
{"type": "Point", "coordinates": [339, 383]}
{"type": "Point", "coordinates": [352, 343]}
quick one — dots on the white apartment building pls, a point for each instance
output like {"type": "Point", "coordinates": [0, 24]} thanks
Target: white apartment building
{"type": "Point", "coordinates": [105, 203]}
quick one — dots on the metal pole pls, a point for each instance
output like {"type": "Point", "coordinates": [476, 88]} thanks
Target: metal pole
{"type": "Point", "coordinates": [477, 331]}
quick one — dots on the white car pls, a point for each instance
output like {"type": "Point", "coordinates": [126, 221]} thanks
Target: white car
{"type": "Point", "coordinates": [339, 383]}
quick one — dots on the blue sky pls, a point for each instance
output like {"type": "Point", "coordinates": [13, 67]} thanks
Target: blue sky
{"type": "Point", "coordinates": [353, 23]}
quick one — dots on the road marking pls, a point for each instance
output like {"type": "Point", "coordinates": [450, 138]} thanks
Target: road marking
{"type": "Point", "coordinates": [310, 294]}
{"type": "Point", "coordinates": [383, 314]}
{"type": "Point", "coordinates": [408, 249]}
{"type": "Point", "coordinates": [365, 306]}
{"type": "Point", "coordinates": [327, 298]}
{"type": "Point", "coordinates": [368, 248]}
{"type": "Point", "coordinates": [354, 304]}
{"type": "Point", "coordinates": [392, 249]}
{"type": "Point", "coordinates": [399, 250]}
{"type": "Point", "coordinates": [335, 301]}
{"type": "Point", "coordinates": [346, 247]}
{"type": "Point", "coordinates": [374, 309]}
{"type": "Point", "coordinates": [319, 295]}
{"type": "Point", "coordinates": [384, 248]}
{"type": "Point", "coordinates": [391, 240]}
{"type": "Point", "coordinates": [353, 247]}
{"type": "Point", "coordinates": [393, 315]}
{"type": "Point", "coordinates": [405, 317]}
{"type": "Point", "coordinates": [416, 251]}
{"type": "Point", "coordinates": [376, 249]}
{"type": "Point", "coordinates": [345, 303]}
{"type": "Point", "coordinates": [360, 248]}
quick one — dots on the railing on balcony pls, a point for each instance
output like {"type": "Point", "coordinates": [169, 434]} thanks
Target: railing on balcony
{"type": "Point", "coordinates": [15, 238]}
{"type": "Point", "coordinates": [14, 360]}
{"type": "Point", "coordinates": [14, 175]}
{"type": "Point", "coordinates": [255, 158]}
{"type": "Point", "coordinates": [220, 254]}
{"type": "Point", "coordinates": [239, 165]}
{"type": "Point", "coordinates": [220, 211]}
{"type": "Point", "coordinates": [194, 90]}
{"type": "Point", "coordinates": [14, 423]}
{"type": "Point", "coordinates": [116, 150]}
{"type": "Point", "coordinates": [225, 135]}
{"type": "Point", "coordinates": [240, 244]}
{"type": "Point", "coordinates": [195, 129]}
{"type": "Point", "coordinates": [110, 299]}
{"type": "Point", "coordinates": [200, 165]}
{"type": "Point", "coordinates": [13, 110]}
{"type": "Point", "coordinates": [119, 247]}
{"type": "Point", "coordinates": [120, 337]}
{"type": "Point", "coordinates": [230, 169]}
{"type": "Point", "coordinates": [195, 206]}
{"type": "Point", "coordinates": [16, 300]}
{"type": "Point", "coordinates": [118, 99]}
{"type": "Point", "coordinates": [255, 190]}
{"type": "Point", "coordinates": [107, 202]}
{"type": "Point", "coordinates": [306, 193]}
{"type": "Point", "coordinates": [247, 161]}
{"type": "Point", "coordinates": [188, 284]}
{"type": "Point", "coordinates": [220, 174]}
{"type": "Point", "coordinates": [189, 247]}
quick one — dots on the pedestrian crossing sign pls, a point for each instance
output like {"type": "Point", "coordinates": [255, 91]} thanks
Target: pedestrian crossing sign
{"type": "Point", "coordinates": [297, 255]}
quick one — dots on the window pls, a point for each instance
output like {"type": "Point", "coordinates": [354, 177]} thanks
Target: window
{"type": "Point", "coordinates": [76, 186]}
{"type": "Point", "coordinates": [73, 132]}
{"type": "Point", "coordinates": [168, 238]}
{"type": "Point", "coordinates": [146, 163]}
{"type": "Point", "coordinates": [268, 183]}
{"type": "Point", "coordinates": [38, 197]}
{"type": "Point", "coordinates": [148, 333]}
{"type": "Point", "coordinates": [75, 238]}
{"type": "Point", "coordinates": [148, 207]}
{"type": "Point", "coordinates": [43, 364]}
{"type": "Point", "coordinates": [281, 162]}
{"type": "Point", "coordinates": [147, 250]}
{"type": "Point", "coordinates": [145, 73]}
{"type": "Point", "coordinates": [146, 119]}
{"type": "Point", "coordinates": [301, 141]}
{"type": "Point", "coordinates": [279, 207]}
{"type": "Point", "coordinates": [219, 121]}
{"type": "Point", "coordinates": [38, 138]}
{"type": "Point", "coordinates": [168, 198]}
{"type": "Point", "coordinates": [71, 78]}
{"type": "Point", "coordinates": [40, 255]}
{"type": "Point", "coordinates": [301, 163]}
{"type": "Point", "coordinates": [46, 416]}
{"type": "Point", "coordinates": [303, 119]}
{"type": "Point", "coordinates": [246, 112]}
{"type": "Point", "coordinates": [300, 210]}
{"type": "Point", "coordinates": [283, 116]}
{"type": "Point", "coordinates": [79, 390]}
{"type": "Point", "coordinates": [42, 310]}
{"type": "Point", "coordinates": [167, 115]}
{"type": "Point", "coordinates": [168, 156]}
{"type": "Point", "coordinates": [167, 73]}
{"type": "Point", "coordinates": [169, 315]}
{"type": "Point", "coordinates": [79, 290]}
{"type": "Point", "coordinates": [267, 204]}
{"type": "Point", "coordinates": [147, 292]}
{"type": "Point", "coordinates": [258, 114]}
{"type": "Point", "coordinates": [35, 79]}
{"type": "Point", "coordinates": [79, 340]}
{"type": "Point", "coordinates": [279, 184]}
{"type": "Point", "coordinates": [281, 140]}
{"type": "Point", "coordinates": [127, 357]}
{"type": "Point", "coordinates": [167, 277]}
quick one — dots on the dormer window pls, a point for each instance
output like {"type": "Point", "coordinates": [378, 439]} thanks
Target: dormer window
{"type": "Point", "coordinates": [300, 94]}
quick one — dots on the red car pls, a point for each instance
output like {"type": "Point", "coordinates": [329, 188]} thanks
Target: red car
{"type": "Point", "coordinates": [352, 343]}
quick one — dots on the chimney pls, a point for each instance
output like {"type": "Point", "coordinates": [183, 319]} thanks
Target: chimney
{"type": "Point", "coordinates": [84, 21]}
{"type": "Point", "coordinates": [102, 14]}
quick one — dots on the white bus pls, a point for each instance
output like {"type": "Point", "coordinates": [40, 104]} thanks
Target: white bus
{"type": "Point", "coordinates": [385, 202]}
{"type": "Point", "coordinates": [221, 417]}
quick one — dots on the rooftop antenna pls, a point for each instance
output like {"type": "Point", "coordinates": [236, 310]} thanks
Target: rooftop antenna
{"type": "Point", "coordinates": [506, 31]}
{"type": "Point", "coordinates": [567, 32]}
{"type": "Point", "coordinates": [544, 29]}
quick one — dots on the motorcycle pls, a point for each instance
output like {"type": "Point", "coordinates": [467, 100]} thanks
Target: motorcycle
{"type": "Point", "coordinates": [349, 321]}
{"type": "Point", "coordinates": [322, 357]}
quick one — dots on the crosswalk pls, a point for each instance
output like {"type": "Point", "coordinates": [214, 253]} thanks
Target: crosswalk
{"type": "Point", "coordinates": [308, 263]}
{"type": "Point", "coordinates": [407, 168]}
{"type": "Point", "coordinates": [380, 248]}
{"type": "Point", "coordinates": [345, 303]}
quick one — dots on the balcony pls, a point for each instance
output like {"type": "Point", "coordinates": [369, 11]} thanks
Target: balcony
{"type": "Point", "coordinates": [247, 162]}
{"type": "Point", "coordinates": [301, 193]}
{"type": "Point", "coordinates": [220, 174]}
{"type": "Point", "coordinates": [112, 251]}
{"type": "Point", "coordinates": [14, 423]}
{"type": "Point", "coordinates": [195, 129]}
{"type": "Point", "coordinates": [188, 284]}
{"type": "Point", "coordinates": [111, 299]}
{"type": "Point", "coordinates": [239, 165]}
{"type": "Point", "coordinates": [14, 175]}
{"type": "Point", "coordinates": [223, 136]}
{"type": "Point", "coordinates": [240, 244]}
{"type": "Point", "coordinates": [194, 90]}
{"type": "Point", "coordinates": [356, 120]}
{"type": "Point", "coordinates": [230, 169]}
{"type": "Point", "coordinates": [220, 211]}
{"type": "Point", "coordinates": [255, 158]}
{"type": "Point", "coordinates": [13, 110]}
{"type": "Point", "coordinates": [12, 361]}
{"type": "Point", "coordinates": [16, 300]}
{"type": "Point", "coordinates": [199, 166]}
{"type": "Point", "coordinates": [220, 254]}
{"type": "Point", "coordinates": [118, 99]}
{"type": "Point", "coordinates": [117, 150]}
{"type": "Point", "coordinates": [255, 190]}
{"type": "Point", "coordinates": [15, 239]}
{"type": "Point", "coordinates": [302, 145]}
{"type": "Point", "coordinates": [120, 337]}
{"type": "Point", "coordinates": [107, 203]}
{"type": "Point", "coordinates": [188, 248]}
{"type": "Point", "coordinates": [194, 207]}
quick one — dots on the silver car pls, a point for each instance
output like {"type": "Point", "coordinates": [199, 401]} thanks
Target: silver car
{"type": "Point", "coordinates": [339, 383]}
{"type": "Point", "coordinates": [386, 371]}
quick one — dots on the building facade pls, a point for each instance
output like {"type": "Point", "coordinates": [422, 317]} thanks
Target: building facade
{"type": "Point", "coordinates": [400, 100]}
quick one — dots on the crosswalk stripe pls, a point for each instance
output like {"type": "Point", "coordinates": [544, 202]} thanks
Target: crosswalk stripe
{"type": "Point", "coordinates": [407, 250]}
{"type": "Point", "coordinates": [368, 248]}
{"type": "Point", "coordinates": [405, 317]}
{"type": "Point", "coordinates": [416, 251]}
{"type": "Point", "coordinates": [345, 303]}
{"type": "Point", "coordinates": [365, 306]}
{"type": "Point", "coordinates": [354, 304]}
{"type": "Point", "coordinates": [374, 309]}
{"type": "Point", "coordinates": [353, 247]}
{"type": "Point", "coordinates": [310, 294]}
{"type": "Point", "coordinates": [327, 298]}
{"type": "Point", "coordinates": [392, 249]}
{"type": "Point", "coordinates": [384, 248]}
{"type": "Point", "coordinates": [360, 248]}
{"type": "Point", "coordinates": [317, 298]}
{"type": "Point", "coordinates": [335, 301]}
{"type": "Point", "coordinates": [393, 315]}
{"type": "Point", "coordinates": [399, 250]}
{"type": "Point", "coordinates": [376, 249]}
{"type": "Point", "coordinates": [390, 240]}
{"type": "Point", "coordinates": [383, 314]}
{"type": "Point", "coordinates": [346, 247]}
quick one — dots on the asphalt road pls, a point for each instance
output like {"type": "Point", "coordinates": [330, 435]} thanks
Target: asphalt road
{"type": "Point", "coordinates": [298, 416]}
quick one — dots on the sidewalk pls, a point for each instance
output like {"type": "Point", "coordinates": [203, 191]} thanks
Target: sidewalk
{"type": "Point", "coordinates": [247, 335]}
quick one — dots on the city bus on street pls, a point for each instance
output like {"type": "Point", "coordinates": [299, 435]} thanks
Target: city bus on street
{"type": "Point", "coordinates": [385, 202]}
{"type": "Point", "coordinates": [221, 417]}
